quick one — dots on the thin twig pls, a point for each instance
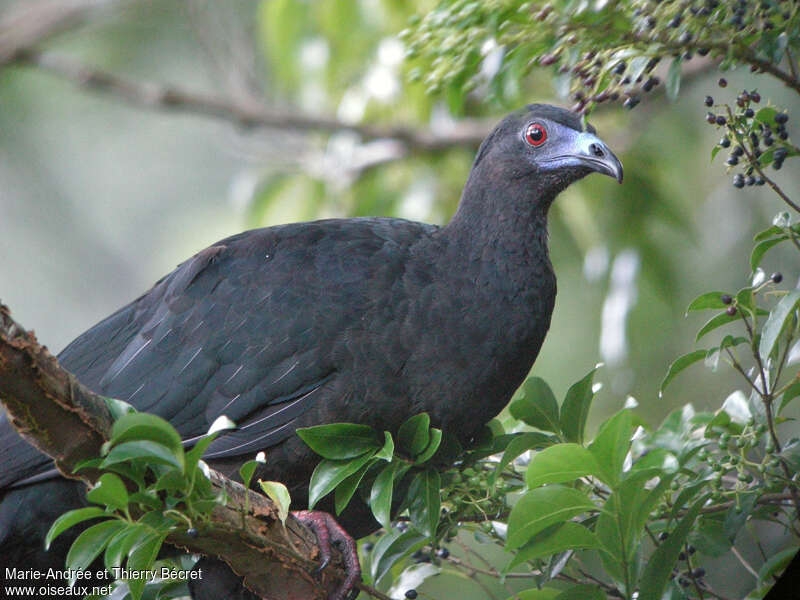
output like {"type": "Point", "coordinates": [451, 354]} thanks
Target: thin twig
{"type": "Point", "coordinates": [745, 564]}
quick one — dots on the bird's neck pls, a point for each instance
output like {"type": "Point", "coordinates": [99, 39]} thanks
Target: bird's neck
{"type": "Point", "coordinates": [501, 225]}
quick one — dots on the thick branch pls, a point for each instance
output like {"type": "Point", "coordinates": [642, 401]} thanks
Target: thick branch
{"type": "Point", "coordinates": [68, 422]}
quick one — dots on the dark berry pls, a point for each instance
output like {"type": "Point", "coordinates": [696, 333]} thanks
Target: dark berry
{"type": "Point", "coordinates": [631, 102]}
{"type": "Point", "coordinates": [711, 118]}
{"type": "Point", "coordinates": [737, 151]}
{"type": "Point", "coordinates": [721, 120]}
{"type": "Point", "coordinates": [620, 67]}
{"type": "Point", "coordinates": [411, 594]}
{"type": "Point", "coordinates": [749, 180]}
{"type": "Point", "coordinates": [781, 118]}
{"type": "Point", "coordinates": [726, 298]}
{"type": "Point", "coordinates": [732, 161]}
{"type": "Point", "coordinates": [755, 96]}
{"type": "Point", "coordinates": [682, 556]}
{"type": "Point", "coordinates": [722, 82]}
{"type": "Point", "coordinates": [709, 101]}
{"type": "Point", "coordinates": [749, 113]}
{"type": "Point", "coordinates": [663, 535]}
{"type": "Point", "coordinates": [730, 311]}
{"type": "Point", "coordinates": [698, 572]}
{"type": "Point", "coordinates": [783, 134]}
{"type": "Point", "coordinates": [443, 553]}
{"type": "Point", "coordinates": [192, 532]}
{"type": "Point", "coordinates": [725, 142]}
{"type": "Point", "coordinates": [777, 277]}
{"type": "Point", "coordinates": [760, 181]}
{"type": "Point", "coordinates": [738, 181]}
{"type": "Point", "coordinates": [675, 21]}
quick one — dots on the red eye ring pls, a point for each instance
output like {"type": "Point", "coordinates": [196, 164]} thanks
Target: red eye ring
{"type": "Point", "coordinates": [536, 134]}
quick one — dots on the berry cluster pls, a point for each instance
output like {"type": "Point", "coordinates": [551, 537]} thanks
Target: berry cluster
{"type": "Point", "coordinates": [756, 138]}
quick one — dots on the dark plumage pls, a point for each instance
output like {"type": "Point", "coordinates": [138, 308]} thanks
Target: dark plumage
{"type": "Point", "coordinates": [360, 320]}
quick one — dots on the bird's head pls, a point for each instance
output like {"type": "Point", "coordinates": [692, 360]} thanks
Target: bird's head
{"type": "Point", "coordinates": [544, 147]}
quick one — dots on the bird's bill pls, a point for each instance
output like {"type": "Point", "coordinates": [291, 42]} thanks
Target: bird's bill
{"type": "Point", "coordinates": [588, 150]}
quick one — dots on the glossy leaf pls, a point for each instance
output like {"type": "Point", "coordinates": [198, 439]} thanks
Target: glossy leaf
{"type": "Point", "coordinates": [659, 567]}
{"type": "Point", "coordinates": [433, 445]}
{"type": "Point", "coordinates": [413, 436]}
{"type": "Point", "coordinates": [425, 504]}
{"type": "Point", "coordinates": [791, 392]}
{"type": "Point", "coordinates": [575, 408]}
{"type": "Point", "coordinates": [121, 543]}
{"type": "Point", "coordinates": [345, 490]}
{"type": "Point", "coordinates": [778, 318]}
{"type": "Point", "coordinates": [340, 441]}
{"type": "Point", "coordinates": [110, 491]}
{"type": "Point", "coordinates": [673, 82]}
{"type": "Point", "coordinates": [330, 473]}
{"type": "Point", "coordinates": [144, 426]}
{"type": "Point", "coordinates": [682, 363]}
{"type": "Point", "coordinates": [611, 445]}
{"type": "Point", "coordinates": [559, 464]}
{"type": "Point", "coordinates": [387, 451]}
{"type": "Point", "coordinates": [538, 407]}
{"type": "Point", "coordinates": [246, 472]}
{"type": "Point", "coordinates": [540, 508]}
{"type": "Point", "coordinates": [380, 497]}
{"type": "Point", "coordinates": [69, 519]}
{"type": "Point", "coordinates": [144, 449]}
{"type": "Point", "coordinates": [392, 547]}
{"type": "Point", "coordinates": [760, 249]}
{"type": "Point", "coordinates": [279, 494]}
{"type": "Point", "coordinates": [709, 300]}
{"type": "Point", "coordinates": [558, 538]}
{"type": "Point", "coordinates": [91, 542]}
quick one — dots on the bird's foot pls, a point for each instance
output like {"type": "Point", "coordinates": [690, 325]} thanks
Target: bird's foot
{"type": "Point", "coordinates": [328, 531]}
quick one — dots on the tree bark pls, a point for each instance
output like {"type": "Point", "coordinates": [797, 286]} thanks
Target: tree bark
{"type": "Point", "coordinates": [68, 422]}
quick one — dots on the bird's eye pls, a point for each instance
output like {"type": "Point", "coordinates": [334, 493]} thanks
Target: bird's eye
{"type": "Point", "coordinates": [536, 134]}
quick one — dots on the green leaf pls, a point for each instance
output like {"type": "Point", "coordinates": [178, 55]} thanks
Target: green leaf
{"type": "Point", "coordinates": [345, 490]}
{"type": "Point", "coordinates": [522, 442]}
{"type": "Point", "coordinates": [788, 395]}
{"type": "Point", "coordinates": [680, 364]}
{"type": "Point", "coordinates": [706, 301]}
{"type": "Point", "coordinates": [91, 542]}
{"type": "Point", "coordinates": [247, 470]}
{"type": "Point", "coordinates": [425, 506]}
{"type": "Point", "coordinates": [540, 508]}
{"type": "Point", "coordinates": [193, 456]}
{"type": "Point", "coordinates": [392, 547]}
{"type": "Point", "coordinates": [340, 441]}
{"type": "Point", "coordinates": [558, 538]}
{"type": "Point", "coordinates": [538, 407]}
{"type": "Point", "coordinates": [575, 408]}
{"type": "Point", "coordinates": [774, 565]}
{"type": "Point", "coordinates": [69, 519]}
{"type": "Point", "coordinates": [673, 82]}
{"type": "Point", "coordinates": [279, 494]}
{"type": "Point", "coordinates": [144, 426]}
{"type": "Point", "coordinates": [120, 545]}
{"type": "Point", "coordinates": [433, 446]}
{"type": "Point", "coordinates": [560, 463]}
{"type": "Point", "coordinates": [147, 449]}
{"type": "Point", "coordinates": [766, 115]}
{"type": "Point", "coordinates": [380, 496]}
{"type": "Point", "coordinates": [714, 151]}
{"type": "Point", "coordinates": [330, 473]}
{"type": "Point", "coordinates": [148, 499]}
{"type": "Point", "coordinates": [659, 567]}
{"type": "Point", "coordinates": [582, 592]}
{"type": "Point", "coordinates": [761, 249]}
{"type": "Point", "coordinates": [413, 435]}
{"type": "Point", "coordinates": [110, 491]}
{"type": "Point", "coordinates": [387, 451]}
{"type": "Point", "coordinates": [611, 445]}
{"type": "Point", "coordinates": [768, 233]}
{"type": "Point", "coordinates": [745, 300]}
{"type": "Point", "coordinates": [778, 318]}
{"type": "Point", "coordinates": [141, 558]}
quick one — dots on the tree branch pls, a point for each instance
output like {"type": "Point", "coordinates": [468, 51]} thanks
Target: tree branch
{"type": "Point", "coordinates": [68, 422]}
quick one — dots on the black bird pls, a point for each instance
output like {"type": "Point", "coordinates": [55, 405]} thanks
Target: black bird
{"type": "Point", "coordinates": [367, 320]}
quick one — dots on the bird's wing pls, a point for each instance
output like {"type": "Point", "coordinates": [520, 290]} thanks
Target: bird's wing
{"type": "Point", "coordinates": [250, 328]}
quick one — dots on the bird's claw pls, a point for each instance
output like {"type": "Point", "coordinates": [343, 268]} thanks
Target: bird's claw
{"type": "Point", "coordinates": [329, 531]}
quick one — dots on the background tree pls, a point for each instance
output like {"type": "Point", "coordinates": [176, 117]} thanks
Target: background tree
{"type": "Point", "coordinates": [318, 113]}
